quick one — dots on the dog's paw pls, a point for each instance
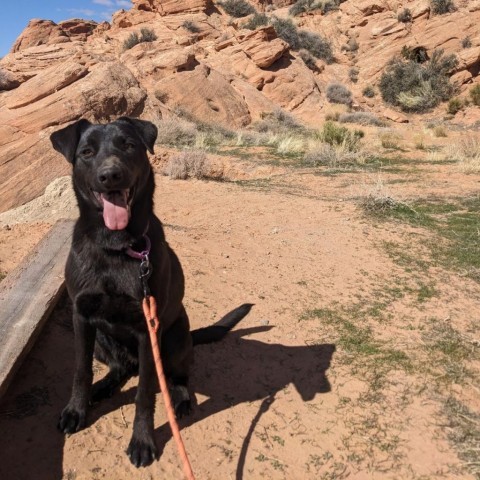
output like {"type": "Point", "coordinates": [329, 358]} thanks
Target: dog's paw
{"type": "Point", "coordinates": [181, 400]}
{"type": "Point", "coordinates": [142, 451]}
{"type": "Point", "coordinates": [71, 420]}
{"type": "Point", "coordinates": [89, 304]}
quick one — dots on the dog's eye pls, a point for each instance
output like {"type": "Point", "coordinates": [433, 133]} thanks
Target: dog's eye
{"type": "Point", "coordinates": [129, 146]}
{"type": "Point", "coordinates": [86, 152]}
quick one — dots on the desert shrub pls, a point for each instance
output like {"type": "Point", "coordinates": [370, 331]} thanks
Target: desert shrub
{"type": "Point", "coordinates": [332, 156]}
{"type": "Point", "coordinates": [176, 132]}
{"type": "Point", "coordinates": [351, 45]}
{"type": "Point", "coordinates": [277, 121]}
{"type": "Point", "coordinates": [418, 87]}
{"type": "Point", "coordinates": [475, 94]}
{"type": "Point", "coordinates": [353, 74]}
{"type": "Point", "coordinates": [368, 91]}
{"type": "Point", "coordinates": [257, 20]}
{"type": "Point", "coordinates": [131, 41]}
{"type": "Point", "coordinates": [190, 26]}
{"type": "Point", "coordinates": [146, 35]}
{"type": "Point", "coordinates": [466, 153]}
{"type": "Point", "coordinates": [188, 164]}
{"type": "Point", "coordinates": [405, 16]}
{"type": "Point", "coordinates": [440, 7]}
{"type": "Point", "coordinates": [390, 140]}
{"type": "Point", "coordinates": [318, 46]}
{"type": "Point", "coordinates": [454, 106]}
{"type": "Point", "coordinates": [338, 93]}
{"type": "Point", "coordinates": [439, 131]}
{"type": "Point", "coordinates": [237, 8]}
{"type": "Point", "coordinates": [466, 42]}
{"type": "Point", "coordinates": [336, 135]}
{"type": "Point", "coordinates": [309, 60]}
{"type": "Point", "coordinates": [302, 6]}
{"type": "Point", "coordinates": [361, 118]}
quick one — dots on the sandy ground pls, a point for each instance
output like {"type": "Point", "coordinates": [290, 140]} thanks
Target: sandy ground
{"type": "Point", "coordinates": [282, 397]}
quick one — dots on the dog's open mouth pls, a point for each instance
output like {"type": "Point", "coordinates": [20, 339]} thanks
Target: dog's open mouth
{"type": "Point", "coordinates": [116, 208]}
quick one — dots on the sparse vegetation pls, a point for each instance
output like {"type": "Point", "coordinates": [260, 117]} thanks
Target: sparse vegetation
{"type": "Point", "coordinates": [302, 6]}
{"type": "Point", "coordinates": [338, 93]}
{"type": "Point", "coordinates": [368, 91]}
{"type": "Point", "coordinates": [309, 60]}
{"type": "Point", "coordinates": [466, 42]}
{"type": "Point", "coordinates": [188, 164]}
{"type": "Point", "coordinates": [475, 94]}
{"type": "Point", "coordinates": [337, 135]}
{"type": "Point", "coordinates": [439, 131]}
{"type": "Point", "coordinates": [389, 140]}
{"type": "Point", "coordinates": [318, 46]}
{"type": "Point", "coordinates": [190, 26]}
{"type": "Point", "coordinates": [405, 16]}
{"type": "Point", "coordinates": [362, 118]}
{"type": "Point", "coordinates": [454, 105]}
{"type": "Point", "coordinates": [146, 35]}
{"type": "Point", "coordinates": [257, 20]}
{"type": "Point", "coordinates": [466, 153]}
{"type": "Point", "coordinates": [353, 74]}
{"type": "Point", "coordinates": [237, 8]}
{"type": "Point", "coordinates": [418, 87]}
{"type": "Point", "coordinates": [441, 7]}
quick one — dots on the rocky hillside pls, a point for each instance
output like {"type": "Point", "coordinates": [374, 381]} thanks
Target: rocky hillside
{"type": "Point", "coordinates": [162, 56]}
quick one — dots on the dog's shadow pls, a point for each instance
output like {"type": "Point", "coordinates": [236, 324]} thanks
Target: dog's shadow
{"type": "Point", "coordinates": [241, 369]}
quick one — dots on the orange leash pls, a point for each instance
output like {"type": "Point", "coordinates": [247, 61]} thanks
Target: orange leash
{"type": "Point", "coordinates": [150, 312]}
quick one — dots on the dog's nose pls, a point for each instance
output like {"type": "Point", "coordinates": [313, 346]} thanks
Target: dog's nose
{"type": "Point", "coordinates": [110, 177]}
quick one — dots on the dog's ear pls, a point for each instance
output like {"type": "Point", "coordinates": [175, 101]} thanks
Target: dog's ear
{"type": "Point", "coordinates": [147, 131]}
{"type": "Point", "coordinates": [65, 141]}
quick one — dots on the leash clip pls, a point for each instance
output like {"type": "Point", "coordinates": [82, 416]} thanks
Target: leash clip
{"type": "Point", "coordinates": [145, 272]}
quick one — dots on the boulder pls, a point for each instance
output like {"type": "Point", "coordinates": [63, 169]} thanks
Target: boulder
{"type": "Point", "coordinates": [39, 32]}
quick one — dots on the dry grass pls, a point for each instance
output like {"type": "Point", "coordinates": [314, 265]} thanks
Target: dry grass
{"type": "Point", "coordinates": [333, 156]}
{"type": "Point", "coordinates": [466, 153]}
{"type": "Point", "coordinates": [376, 197]}
{"type": "Point", "coordinates": [189, 164]}
{"type": "Point", "coordinates": [390, 140]}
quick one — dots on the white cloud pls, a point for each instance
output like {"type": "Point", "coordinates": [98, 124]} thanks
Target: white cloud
{"type": "Point", "coordinates": [82, 11]}
{"type": "Point", "coordinates": [106, 3]}
{"type": "Point", "coordinates": [123, 3]}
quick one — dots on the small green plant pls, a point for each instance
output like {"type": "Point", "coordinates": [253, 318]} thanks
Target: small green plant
{"type": "Point", "coordinates": [237, 8]}
{"type": "Point", "coordinates": [190, 26]}
{"type": "Point", "coordinates": [338, 135]}
{"type": "Point", "coordinates": [131, 41]}
{"type": "Point", "coordinates": [466, 42]}
{"type": "Point", "coordinates": [475, 94]}
{"type": "Point", "coordinates": [405, 16]}
{"type": "Point", "coordinates": [257, 20]}
{"type": "Point", "coordinates": [368, 91]}
{"type": "Point", "coordinates": [441, 7]}
{"type": "Point", "coordinates": [338, 93]}
{"type": "Point", "coordinates": [454, 106]}
{"type": "Point", "coordinates": [147, 35]}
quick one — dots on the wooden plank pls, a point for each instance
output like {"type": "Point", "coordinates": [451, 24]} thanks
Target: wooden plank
{"type": "Point", "coordinates": [28, 295]}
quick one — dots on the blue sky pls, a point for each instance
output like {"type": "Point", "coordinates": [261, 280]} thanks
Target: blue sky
{"type": "Point", "coordinates": [16, 14]}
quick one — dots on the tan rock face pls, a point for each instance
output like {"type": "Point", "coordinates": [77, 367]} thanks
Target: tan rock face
{"type": "Point", "coordinates": [205, 94]}
{"type": "Point", "coordinates": [40, 32]}
{"type": "Point", "coordinates": [166, 7]}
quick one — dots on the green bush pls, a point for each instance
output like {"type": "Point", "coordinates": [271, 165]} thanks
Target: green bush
{"type": "Point", "coordinates": [302, 6]}
{"type": "Point", "coordinates": [338, 93]}
{"type": "Point", "coordinates": [318, 46]}
{"type": "Point", "coordinates": [454, 106]}
{"type": "Point", "coordinates": [475, 94]}
{"type": "Point", "coordinates": [131, 41]}
{"type": "Point", "coordinates": [336, 135]}
{"type": "Point", "coordinates": [237, 8]}
{"type": "Point", "coordinates": [418, 87]}
{"type": "Point", "coordinates": [440, 7]}
{"type": "Point", "coordinates": [147, 35]}
{"type": "Point", "coordinates": [257, 20]}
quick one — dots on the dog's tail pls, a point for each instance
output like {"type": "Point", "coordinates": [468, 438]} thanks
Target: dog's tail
{"type": "Point", "coordinates": [218, 330]}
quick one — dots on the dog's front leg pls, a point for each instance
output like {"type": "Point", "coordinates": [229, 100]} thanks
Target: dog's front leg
{"type": "Point", "coordinates": [142, 450]}
{"type": "Point", "coordinates": [73, 416]}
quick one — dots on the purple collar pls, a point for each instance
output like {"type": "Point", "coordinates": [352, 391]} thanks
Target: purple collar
{"type": "Point", "coordinates": [140, 255]}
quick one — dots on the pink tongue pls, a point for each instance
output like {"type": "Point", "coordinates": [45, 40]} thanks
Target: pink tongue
{"type": "Point", "coordinates": [115, 213]}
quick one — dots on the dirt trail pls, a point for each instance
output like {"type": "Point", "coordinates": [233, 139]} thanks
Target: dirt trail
{"type": "Point", "coordinates": [287, 395]}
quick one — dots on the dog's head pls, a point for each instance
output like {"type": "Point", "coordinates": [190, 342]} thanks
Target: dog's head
{"type": "Point", "coordinates": [109, 164]}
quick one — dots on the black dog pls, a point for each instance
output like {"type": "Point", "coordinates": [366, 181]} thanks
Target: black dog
{"type": "Point", "coordinates": [114, 185]}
